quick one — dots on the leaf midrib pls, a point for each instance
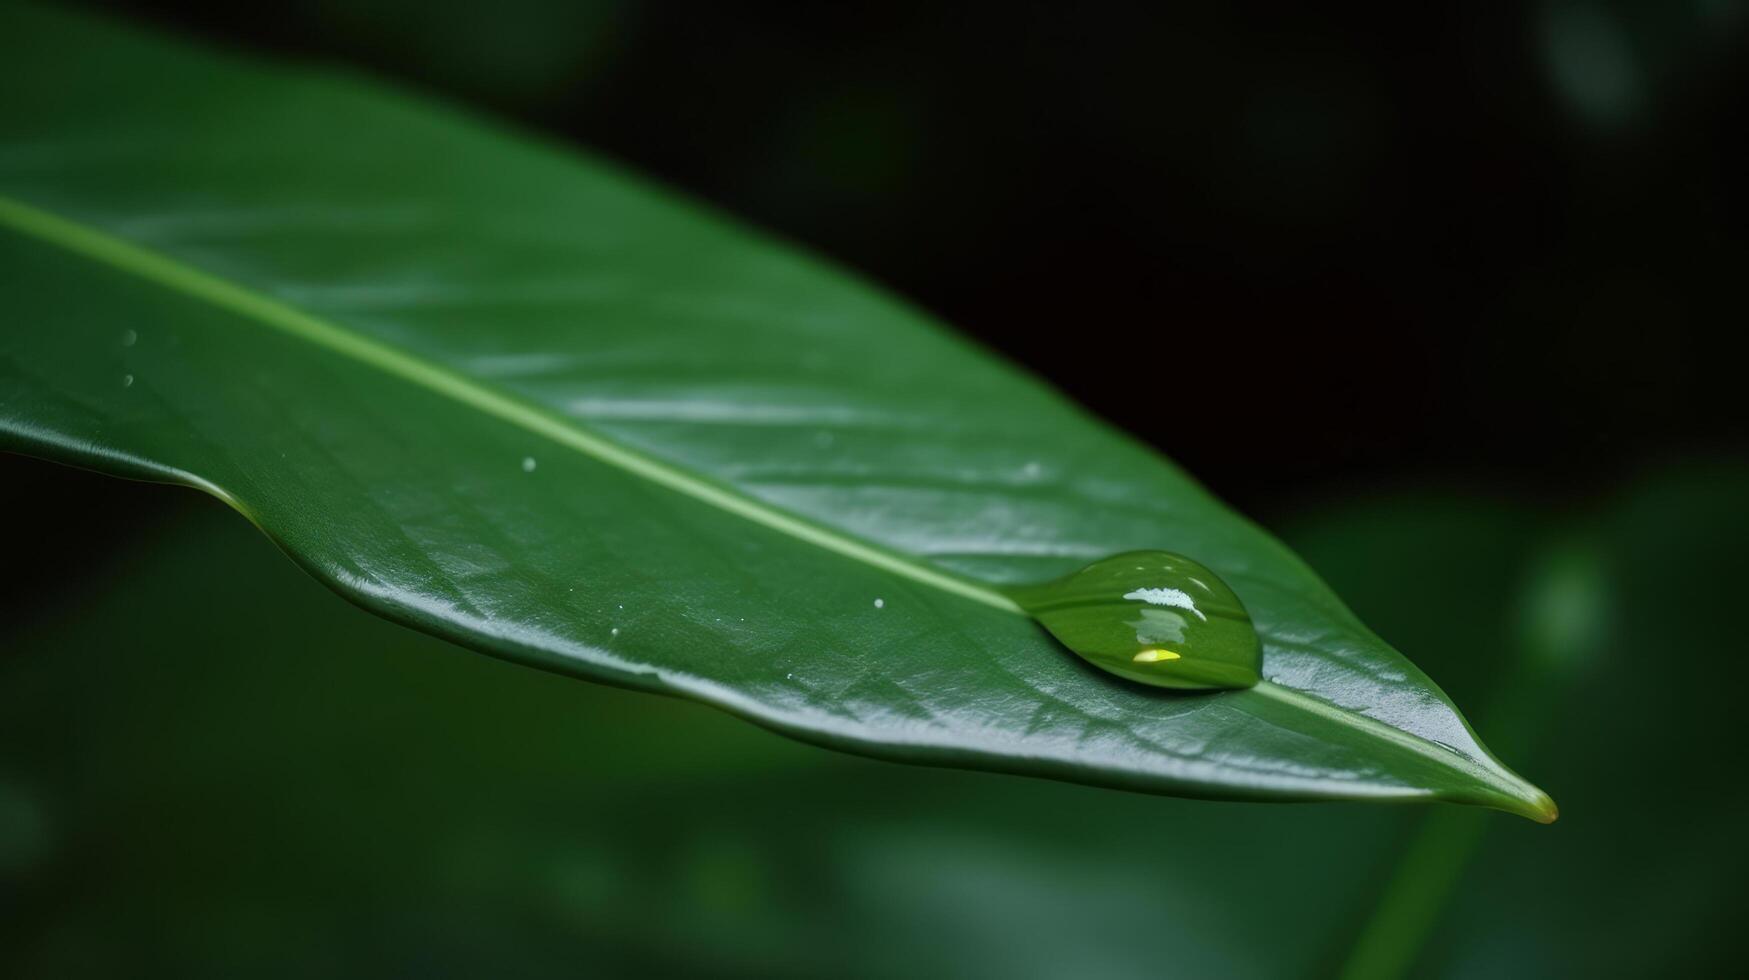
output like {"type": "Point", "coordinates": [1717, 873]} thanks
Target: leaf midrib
{"type": "Point", "coordinates": [178, 276]}
{"type": "Point", "coordinates": [181, 277]}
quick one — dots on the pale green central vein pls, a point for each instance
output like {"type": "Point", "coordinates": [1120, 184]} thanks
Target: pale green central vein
{"type": "Point", "coordinates": [189, 280]}
{"type": "Point", "coordinates": [1533, 802]}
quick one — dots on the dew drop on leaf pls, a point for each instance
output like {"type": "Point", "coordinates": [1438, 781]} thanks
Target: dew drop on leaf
{"type": "Point", "coordinates": [1151, 616]}
{"type": "Point", "coordinates": [528, 464]}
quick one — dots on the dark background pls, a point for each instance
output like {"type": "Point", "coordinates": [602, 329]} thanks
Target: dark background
{"type": "Point", "coordinates": [1445, 297]}
{"type": "Point", "coordinates": [1498, 244]}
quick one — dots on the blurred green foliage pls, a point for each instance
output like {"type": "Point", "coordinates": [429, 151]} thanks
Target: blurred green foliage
{"type": "Point", "coordinates": [209, 766]}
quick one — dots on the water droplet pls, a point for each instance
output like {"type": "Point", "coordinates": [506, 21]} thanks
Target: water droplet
{"type": "Point", "coordinates": [1153, 617]}
{"type": "Point", "coordinates": [880, 603]}
{"type": "Point", "coordinates": [528, 464]}
{"type": "Point", "coordinates": [127, 381]}
{"type": "Point", "coordinates": [613, 632]}
{"type": "Point", "coordinates": [129, 338]}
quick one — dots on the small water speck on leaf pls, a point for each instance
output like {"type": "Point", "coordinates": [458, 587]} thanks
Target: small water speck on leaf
{"type": "Point", "coordinates": [613, 632]}
{"type": "Point", "coordinates": [129, 338]}
{"type": "Point", "coordinates": [528, 464]}
{"type": "Point", "coordinates": [1031, 470]}
{"type": "Point", "coordinates": [127, 381]}
{"type": "Point", "coordinates": [880, 603]}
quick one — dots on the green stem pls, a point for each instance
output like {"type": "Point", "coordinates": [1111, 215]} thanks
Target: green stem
{"type": "Point", "coordinates": [1410, 905]}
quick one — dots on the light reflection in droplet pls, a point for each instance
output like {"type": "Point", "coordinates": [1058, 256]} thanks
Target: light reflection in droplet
{"type": "Point", "coordinates": [1176, 598]}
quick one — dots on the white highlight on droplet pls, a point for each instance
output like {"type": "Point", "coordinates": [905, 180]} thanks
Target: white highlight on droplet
{"type": "Point", "coordinates": [613, 632]}
{"type": "Point", "coordinates": [127, 381]}
{"type": "Point", "coordinates": [1167, 597]}
{"type": "Point", "coordinates": [880, 603]}
{"type": "Point", "coordinates": [528, 464]}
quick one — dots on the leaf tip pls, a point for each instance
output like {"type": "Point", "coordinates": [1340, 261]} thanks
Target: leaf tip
{"type": "Point", "coordinates": [1515, 794]}
{"type": "Point", "coordinates": [1543, 809]}
{"type": "Point", "coordinates": [1533, 804]}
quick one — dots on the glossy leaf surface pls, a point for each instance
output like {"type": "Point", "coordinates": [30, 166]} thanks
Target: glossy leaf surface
{"type": "Point", "coordinates": [511, 397]}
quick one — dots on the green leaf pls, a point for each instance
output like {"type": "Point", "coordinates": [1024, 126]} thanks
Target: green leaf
{"type": "Point", "coordinates": [514, 398]}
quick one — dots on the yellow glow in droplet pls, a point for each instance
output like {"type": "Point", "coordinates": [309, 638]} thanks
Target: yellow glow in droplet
{"type": "Point", "coordinates": [1154, 656]}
